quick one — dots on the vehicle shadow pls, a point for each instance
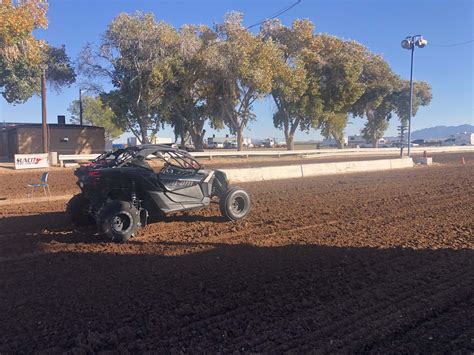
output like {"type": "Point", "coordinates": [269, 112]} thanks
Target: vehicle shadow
{"type": "Point", "coordinates": [55, 226]}
{"type": "Point", "coordinates": [238, 298]}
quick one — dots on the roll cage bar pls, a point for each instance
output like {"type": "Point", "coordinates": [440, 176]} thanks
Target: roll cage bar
{"type": "Point", "coordinates": [171, 156]}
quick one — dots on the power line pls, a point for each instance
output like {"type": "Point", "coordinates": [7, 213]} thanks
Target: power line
{"type": "Point", "coordinates": [452, 44]}
{"type": "Point", "coordinates": [276, 14]}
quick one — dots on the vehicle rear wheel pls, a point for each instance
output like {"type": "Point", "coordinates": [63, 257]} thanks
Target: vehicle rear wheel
{"type": "Point", "coordinates": [118, 220]}
{"type": "Point", "coordinates": [76, 210]}
{"type": "Point", "coordinates": [235, 203]}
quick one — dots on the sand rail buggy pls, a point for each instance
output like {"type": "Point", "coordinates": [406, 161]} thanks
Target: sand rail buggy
{"type": "Point", "coordinates": [120, 190]}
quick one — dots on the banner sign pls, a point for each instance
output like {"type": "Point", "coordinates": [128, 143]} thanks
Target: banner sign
{"type": "Point", "coordinates": [31, 161]}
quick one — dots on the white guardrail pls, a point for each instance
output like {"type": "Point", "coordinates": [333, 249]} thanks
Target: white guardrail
{"type": "Point", "coordinates": [279, 153]}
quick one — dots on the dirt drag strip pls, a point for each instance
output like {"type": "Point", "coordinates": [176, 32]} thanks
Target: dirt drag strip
{"type": "Point", "coordinates": [349, 263]}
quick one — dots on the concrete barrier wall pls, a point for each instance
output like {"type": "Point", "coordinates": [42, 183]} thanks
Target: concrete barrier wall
{"type": "Point", "coordinates": [401, 163]}
{"type": "Point", "coordinates": [306, 170]}
{"type": "Point", "coordinates": [281, 172]}
{"type": "Point", "coordinates": [244, 175]}
{"type": "Point", "coordinates": [318, 169]}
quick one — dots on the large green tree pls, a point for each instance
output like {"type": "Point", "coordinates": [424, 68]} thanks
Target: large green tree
{"type": "Point", "coordinates": [376, 103]}
{"type": "Point", "coordinates": [188, 96]}
{"type": "Point", "coordinates": [422, 96]}
{"type": "Point", "coordinates": [245, 72]}
{"type": "Point", "coordinates": [396, 102]}
{"type": "Point", "coordinates": [294, 91]}
{"type": "Point", "coordinates": [96, 113]}
{"type": "Point", "coordinates": [136, 54]}
{"type": "Point", "coordinates": [337, 65]}
{"type": "Point", "coordinates": [20, 79]}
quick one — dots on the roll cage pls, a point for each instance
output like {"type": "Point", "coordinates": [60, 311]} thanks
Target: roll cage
{"type": "Point", "coordinates": [169, 155]}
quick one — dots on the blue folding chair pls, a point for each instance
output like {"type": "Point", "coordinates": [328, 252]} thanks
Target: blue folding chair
{"type": "Point", "coordinates": [43, 183]}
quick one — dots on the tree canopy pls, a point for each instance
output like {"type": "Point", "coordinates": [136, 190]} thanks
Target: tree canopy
{"type": "Point", "coordinates": [188, 96]}
{"type": "Point", "coordinates": [23, 59]}
{"type": "Point", "coordinates": [196, 75]}
{"type": "Point", "coordinates": [295, 92]}
{"type": "Point", "coordinates": [135, 54]}
{"type": "Point", "coordinates": [244, 73]}
{"type": "Point", "coordinates": [95, 112]}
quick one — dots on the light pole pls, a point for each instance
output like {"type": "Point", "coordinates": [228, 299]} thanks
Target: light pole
{"type": "Point", "coordinates": [409, 43]}
{"type": "Point", "coordinates": [44, 121]}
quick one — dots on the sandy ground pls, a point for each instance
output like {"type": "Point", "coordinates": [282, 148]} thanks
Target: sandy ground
{"type": "Point", "coordinates": [380, 262]}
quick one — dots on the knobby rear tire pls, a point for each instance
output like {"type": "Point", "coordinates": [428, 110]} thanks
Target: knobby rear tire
{"type": "Point", "coordinates": [118, 220]}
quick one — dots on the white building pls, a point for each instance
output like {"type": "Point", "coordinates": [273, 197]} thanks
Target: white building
{"type": "Point", "coordinates": [332, 142]}
{"type": "Point", "coordinates": [226, 142]}
{"type": "Point", "coordinates": [459, 139]}
{"type": "Point", "coordinates": [361, 142]}
{"type": "Point", "coordinates": [161, 140]}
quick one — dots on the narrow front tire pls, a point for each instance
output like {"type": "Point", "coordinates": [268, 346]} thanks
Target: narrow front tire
{"type": "Point", "coordinates": [235, 204]}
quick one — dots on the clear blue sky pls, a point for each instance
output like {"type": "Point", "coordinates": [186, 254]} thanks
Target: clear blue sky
{"type": "Point", "coordinates": [378, 24]}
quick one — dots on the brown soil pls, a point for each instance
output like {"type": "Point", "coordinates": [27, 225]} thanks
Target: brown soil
{"type": "Point", "coordinates": [379, 262]}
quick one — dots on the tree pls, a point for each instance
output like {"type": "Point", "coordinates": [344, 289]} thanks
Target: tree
{"type": "Point", "coordinates": [336, 66]}
{"type": "Point", "coordinates": [376, 103]}
{"type": "Point", "coordinates": [396, 102]}
{"type": "Point", "coordinates": [187, 97]}
{"type": "Point", "coordinates": [23, 59]}
{"type": "Point", "coordinates": [136, 54]}
{"type": "Point", "coordinates": [16, 26]}
{"type": "Point", "coordinates": [20, 79]}
{"type": "Point", "coordinates": [295, 93]}
{"type": "Point", "coordinates": [244, 73]}
{"type": "Point", "coordinates": [422, 96]}
{"type": "Point", "coordinates": [96, 113]}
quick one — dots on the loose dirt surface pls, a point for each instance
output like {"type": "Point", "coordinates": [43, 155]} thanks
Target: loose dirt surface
{"type": "Point", "coordinates": [379, 262]}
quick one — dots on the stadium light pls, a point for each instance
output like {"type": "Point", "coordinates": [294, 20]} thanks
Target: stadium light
{"type": "Point", "coordinates": [409, 43]}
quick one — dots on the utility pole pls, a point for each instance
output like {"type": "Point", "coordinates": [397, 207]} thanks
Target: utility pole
{"type": "Point", "coordinates": [80, 107]}
{"type": "Point", "coordinates": [401, 138]}
{"type": "Point", "coordinates": [43, 113]}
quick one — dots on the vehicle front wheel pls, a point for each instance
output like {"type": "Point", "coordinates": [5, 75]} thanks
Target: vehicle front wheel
{"type": "Point", "coordinates": [235, 203]}
{"type": "Point", "coordinates": [76, 210]}
{"type": "Point", "coordinates": [118, 220]}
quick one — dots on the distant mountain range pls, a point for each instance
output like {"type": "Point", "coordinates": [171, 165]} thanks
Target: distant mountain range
{"type": "Point", "coordinates": [440, 132]}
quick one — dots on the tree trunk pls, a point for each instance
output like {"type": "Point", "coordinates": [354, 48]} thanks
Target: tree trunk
{"type": "Point", "coordinates": [375, 141]}
{"type": "Point", "coordinates": [197, 132]}
{"type": "Point", "coordinates": [144, 134]}
{"type": "Point", "coordinates": [290, 142]}
{"type": "Point", "coordinates": [197, 139]}
{"type": "Point", "coordinates": [290, 135]}
{"type": "Point", "coordinates": [240, 138]}
{"type": "Point", "coordinates": [182, 135]}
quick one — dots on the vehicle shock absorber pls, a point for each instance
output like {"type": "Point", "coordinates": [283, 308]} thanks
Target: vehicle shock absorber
{"type": "Point", "coordinates": [133, 195]}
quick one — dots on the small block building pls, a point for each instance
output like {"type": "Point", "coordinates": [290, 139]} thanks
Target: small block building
{"type": "Point", "coordinates": [27, 138]}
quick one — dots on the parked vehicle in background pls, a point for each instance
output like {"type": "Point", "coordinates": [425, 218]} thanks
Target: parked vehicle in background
{"type": "Point", "coordinates": [420, 142]}
{"type": "Point", "coordinates": [230, 144]}
{"type": "Point", "coordinates": [268, 143]}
